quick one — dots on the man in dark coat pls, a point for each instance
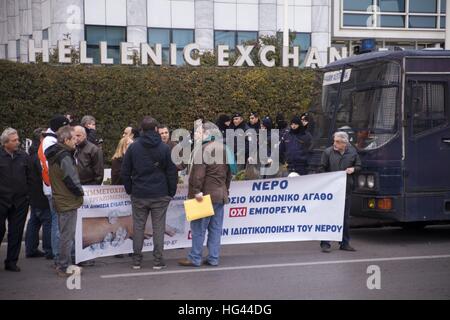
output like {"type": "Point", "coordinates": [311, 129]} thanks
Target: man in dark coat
{"type": "Point", "coordinates": [295, 146]}
{"type": "Point", "coordinates": [40, 214]}
{"type": "Point", "coordinates": [254, 121]}
{"type": "Point", "coordinates": [241, 133]}
{"type": "Point", "coordinates": [150, 177]}
{"type": "Point", "coordinates": [14, 199]}
{"type": "Point", "coordinates": [339, 157]}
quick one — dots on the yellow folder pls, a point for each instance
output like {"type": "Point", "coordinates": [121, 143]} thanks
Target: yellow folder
{"type": "Point", "coordinates": [197, 210]}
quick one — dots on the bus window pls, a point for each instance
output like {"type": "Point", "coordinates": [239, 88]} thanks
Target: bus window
{"type": "Point", "coordinates": [374, 117]}
{"type": "Point", "coordinates": [367, 107]}
{"type": "Point", "coordinates": [429, 106]}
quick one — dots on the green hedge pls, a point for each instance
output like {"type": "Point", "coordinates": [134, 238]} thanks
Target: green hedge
{"type": "Point", "coordinates": [121, 95]}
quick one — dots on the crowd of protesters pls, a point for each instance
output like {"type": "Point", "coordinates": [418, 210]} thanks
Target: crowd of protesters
{"type": "Point", "coordinates": [65, 156]}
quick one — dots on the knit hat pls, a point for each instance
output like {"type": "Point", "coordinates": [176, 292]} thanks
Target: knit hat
{"type": "Point", "coordinates": [57, 122]}
{"type": "Point", "coordinates": [281, 123]}
{"type": "Point", "coordinates": [223, 118]}
{"type": "Point", "coordinates": [279, 117]}
{"type": "Point", "coordinates": [267, 122]}
{"type": "Point", "coordinates": [296, 120]}
{"type": "Point", "coordinates": [305, 116]}
{"type": "Point", "coordinates": [237, 114]}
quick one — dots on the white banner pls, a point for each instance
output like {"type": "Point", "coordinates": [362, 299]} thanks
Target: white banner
{"type": "Point", "coordinates": [308, 207]}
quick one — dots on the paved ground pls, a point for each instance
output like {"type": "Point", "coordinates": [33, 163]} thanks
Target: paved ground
{"type": "Point", "coordinates": [413, 265]}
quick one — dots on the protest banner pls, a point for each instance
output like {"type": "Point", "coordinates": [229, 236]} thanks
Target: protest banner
{"type": "Point", "coordinates": [300, 208]}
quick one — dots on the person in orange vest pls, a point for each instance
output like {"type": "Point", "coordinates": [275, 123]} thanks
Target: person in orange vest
{"type": "Point", "coordinates": [50, 139]}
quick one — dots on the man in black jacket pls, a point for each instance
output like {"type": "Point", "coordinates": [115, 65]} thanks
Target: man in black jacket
{"type": "Point", "coordinates": [14, 177]}
{"type": "Point", "coordinates": [339, 157]}
{"type": "Point", "coordinates": [150, 176]}
{"type": "Point", "coordinates": [40, 214]}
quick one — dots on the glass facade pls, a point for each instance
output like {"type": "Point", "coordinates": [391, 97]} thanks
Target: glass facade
{"type": "Point", "coordinates": [420, 6]}
{"type": "Point", "coordinates": [422, 22]}
{"type": "Point", "coordinates": [233, 38]}
{"type": "Point", "coordinates": [165, 37]}
{"type": "Point", "coordinates": [112, 35]}
{"type": "Point", "coordinates": [45, 34]}
{"type": "Point", "coordinates": [357, 20]}
{"type": "Point", "coordinates": [301, 39]}
{"type": "Point", "coordinates": [357, 5]}
{"type": "Point", "coordinates": [402, 14]}
{"type": "Point", "coordinates": [18, 49]}
{"type": "Point", "coordinates": [389, 21]}
{"type": "Point", "coordinates": [392, 5]}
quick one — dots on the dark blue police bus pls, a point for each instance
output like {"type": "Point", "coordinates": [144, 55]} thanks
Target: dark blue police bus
{"type": "Point", "coordinates": [395, 107]}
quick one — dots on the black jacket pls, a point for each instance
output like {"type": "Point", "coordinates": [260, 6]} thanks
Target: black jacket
{"type": "Point", "coordinates": [246, 136]}
{"type": "Point", "coordinates": [14, 178]}
{"type": "Point", "coordinates": [89, 163]}
{"type": "Point", "coordinates": [147, 168]}
{"type": "Point", "coordinates": [255, 126]}
{"type": "Point", "coordinates": [294, 149]}
{"type": "Point", "coordinates": [116, 166]}
{"type": "Point", "coordinates": [332, 160]}
{"type": "Point", "coordinates": [37, 197]}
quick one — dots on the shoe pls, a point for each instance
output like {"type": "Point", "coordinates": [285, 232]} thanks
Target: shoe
{"type": "Point", "coordinates": [136, 265]}
{"type": "Point", "coordinates": [12, 267]}
{"type": "Point", "coordinates": [186, 263]}
{"type": "Point", "coordinates": [36, 254]}
{"type": "Point", "coordinates": [62, 273]}
{"type": "Point", "coordinates": [325, 248]}
{"type": "Point", "coordinates": [89, 263]}
{"type": "Point", "coordinates": [159, 265]}
{"type": "Point", "coordinates": [207, 263]}
{"type": "Point", "coordinates": [347, 247]}
{"type": "Point", "coordinates": [49, 256]}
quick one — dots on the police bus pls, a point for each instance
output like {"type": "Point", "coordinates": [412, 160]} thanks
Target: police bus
{"type": "Point", "coordinates": [395, 107]}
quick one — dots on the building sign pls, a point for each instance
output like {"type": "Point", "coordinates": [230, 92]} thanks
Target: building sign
{"type": "Point", "coordinates": [290, 55]}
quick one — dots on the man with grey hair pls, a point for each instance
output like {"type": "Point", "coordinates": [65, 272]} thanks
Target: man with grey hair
{"type": "Point", "coordinates": [89, 159]}
{"type": "Point", "coordinates": [339, 157]}
{"type": "Point", "coordinates": [89, 124]}
{"type": "Point", "coordinates": [67, 192]}
{"type": "Point", "coordinates": [14, 200]}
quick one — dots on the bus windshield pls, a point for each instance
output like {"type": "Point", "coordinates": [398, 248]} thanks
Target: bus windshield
{"type": "Point", "coordinates": [365, 107]}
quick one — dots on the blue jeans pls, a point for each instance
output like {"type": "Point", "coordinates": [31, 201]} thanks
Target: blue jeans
{"type": "Point", "coordinates": [198, 229]}
{"type": "Point", "coordinates": [38, 218]}
{"type": "Point", "coordinates": [55, 230]}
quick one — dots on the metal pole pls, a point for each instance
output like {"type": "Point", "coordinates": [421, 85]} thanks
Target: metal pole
{"type": "Point", "coordinates": [447, 25]}
{"type": "Point", "coordinates": [286, 25]}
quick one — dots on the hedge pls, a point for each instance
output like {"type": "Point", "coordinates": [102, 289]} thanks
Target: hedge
{"type": "Point", "coordinates": [118, 96]}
